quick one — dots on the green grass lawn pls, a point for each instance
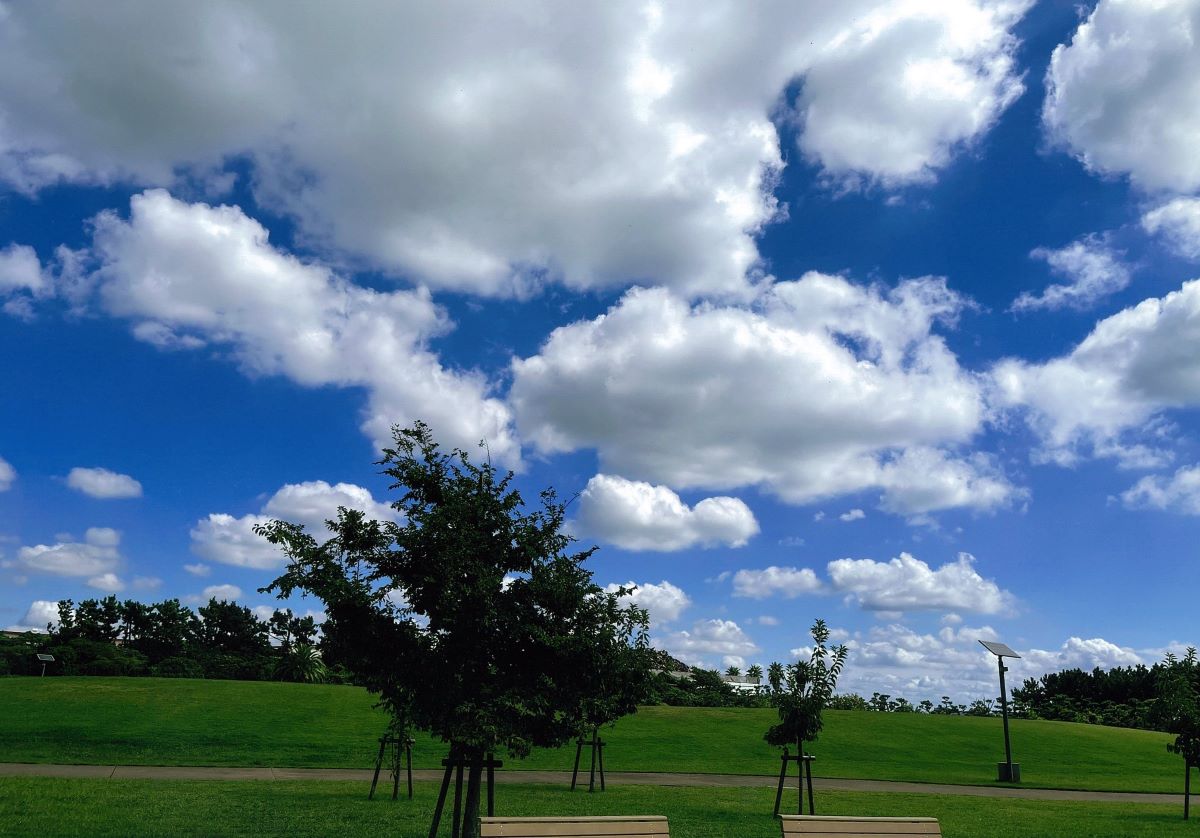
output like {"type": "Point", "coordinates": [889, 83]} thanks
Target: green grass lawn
{"type": "Point", "coordinates": [187, 722]}
{"type": "Point", "coordinates": [41, 807]}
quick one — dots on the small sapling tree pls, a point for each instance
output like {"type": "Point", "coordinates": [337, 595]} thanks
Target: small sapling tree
{"type": "Point", "coordinates": [1177, 710]}
{"type": "Point", "coordinates": [471, 614]}
{"type": "Point", "coordinates": [801, 690]}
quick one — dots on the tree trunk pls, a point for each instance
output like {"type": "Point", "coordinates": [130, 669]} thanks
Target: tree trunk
{"type": "Point", "coordinates": [470, 822]}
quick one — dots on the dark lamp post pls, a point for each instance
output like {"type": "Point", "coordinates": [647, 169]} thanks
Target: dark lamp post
{"type": "Point", "coordinates": [1007, 771]}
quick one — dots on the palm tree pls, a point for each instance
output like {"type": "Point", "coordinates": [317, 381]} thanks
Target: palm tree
{"type": "Point", "coordinates": [754, 673]}
{"type": "Point", "coordinates": [733, 672]}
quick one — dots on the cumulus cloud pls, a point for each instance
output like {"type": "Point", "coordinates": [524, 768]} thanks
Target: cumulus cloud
{"type": "Point", "coordinates": [1120, 379]}
{"type": "Point", "coordinates": [1178, 223]}
{"type": "Point", "coordinates": [41, 613]}
{"type": "Point", "coordinates": [1092, 269]}
{"type": "Point", "coordinates": [707, 640]}
{"type": "Point", "coordinates": [198, 569]}
{"type": "Point", "coordinates": [1179, 493]}
{"type": "Point", "coordinates": [721, 397]}
{"type": "Point", "coordinates": [223, 593]}
{"type": "Point", "coordinates": [95, 556]}
{"type": "Point", "coordinates": [664, 601]}
{"type": "Point", "coordinates": [852, 515]}
{"type": "Point", "coordinates": [102, 483]}
{"type": "Point", "coordinates": [1124, 94]}
{"type": "Point", "coordinates": [639, 516]}
{"type": "Point", "coordinates": [228, 540]}
{"type": "Point", "coordinates": [109, 583]}
{"type": "Point", "coordinates": [21, 270]}
{"type": "Point", "coordinates": [626, 141]}
{"type": "Point", "coordinates": [908, 584]}
{"type": "Point", "coordinates": [8, 475]}
{"type": "Point", "coordinates": [789, 582]}
{"type": "Point", "coordinates": [193, 275]}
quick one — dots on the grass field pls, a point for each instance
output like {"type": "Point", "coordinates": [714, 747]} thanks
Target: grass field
{"type": "Point", "coordinates": [186, 722]}
{"type": "Point", "coordinates": [149, 807]}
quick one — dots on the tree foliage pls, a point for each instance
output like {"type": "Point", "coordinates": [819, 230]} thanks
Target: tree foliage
{"type": "Point", "coordinates": [472, 616]}
{"type": "Point", "coordinates": [800, 691]}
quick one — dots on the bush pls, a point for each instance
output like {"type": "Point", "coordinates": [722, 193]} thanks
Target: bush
{"type": "Point", "coordinates": [177, 667]}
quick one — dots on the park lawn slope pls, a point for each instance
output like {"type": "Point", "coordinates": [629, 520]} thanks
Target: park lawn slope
{"type": "Point", "coordinates": [147, 721]}
{"type": "Point", "coordinates": [35, 806]}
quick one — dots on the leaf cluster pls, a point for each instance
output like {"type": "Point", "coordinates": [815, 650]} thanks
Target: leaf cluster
{"type": "Point", "coordinates": [801, 691]}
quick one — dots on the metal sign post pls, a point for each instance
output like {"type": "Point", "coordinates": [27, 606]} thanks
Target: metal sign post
{"type": "Point", "coordinates": [1007, 771]}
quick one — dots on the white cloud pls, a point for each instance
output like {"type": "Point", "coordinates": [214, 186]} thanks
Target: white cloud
{"type": "Point", "coordinates": [909, 584]}
{"type": "Point", "coordinates": [1178, 493]}
{"type": "Point", "coordinates": [638, 516]}
{"type": "Point", "coordinates": [191, 275]}
{"type": "Point", "coordinates": [1124, 94]}
{"type": "Point", "coordinates": [898, 660]}
{"type": "Point", "coordinates": [110, 583]}
{"type": "Point", "coordinates": [707, 640]}
{"type": "Point", "coordinates": [41, 613]}
{"type": "Point", "coordinates": [626, 141]}
{"type": "Point", "coordinates": [1131, 368]}
{"type": "Point", "coordinates": [21, 270]}
{"type": "Point", "coordinates": [1178, 223]}
{"type": "Point", "coordinates": [721, 397]}
{"type": "Point", "coordinates": [664, 601]}
{"type": "Point", "coordinates": [225, 593]}
{"type": "Point", "coordinates": [95, 556]}
{"type": "Point", "coordinates": [198, 569]}
{"type": "Point", "coordinates": [146, 583]}
{"type": "Point", "coordinates": [8, 475]}
{"type": "Point", "coordinates": [1092, 268]}
{"type": "Point", "coordinates": [228, 540]}
{"type": "Point", "coordinates": [767, 620]}
{"type": "Point", "coordinates": [102, 483]}
{"type": "Point", "coordinates": [789, 582]}
{"type": "Point", "coordinates": [852, 515]}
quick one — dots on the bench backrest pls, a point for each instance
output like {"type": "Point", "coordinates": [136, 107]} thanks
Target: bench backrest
{"type": "Point", "coordinates": [629, 826]}
{"type": "Point", "coordinates": [828, 826]}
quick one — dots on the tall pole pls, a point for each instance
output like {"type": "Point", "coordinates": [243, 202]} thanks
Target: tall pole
{"type": "Point", "coordinates": [1004, 712]}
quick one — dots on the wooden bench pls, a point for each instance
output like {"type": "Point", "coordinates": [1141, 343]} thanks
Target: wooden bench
{"type": "Point", "coordinates": [630, 826]}
{"type": "Point", "coordinates": [827, 826]}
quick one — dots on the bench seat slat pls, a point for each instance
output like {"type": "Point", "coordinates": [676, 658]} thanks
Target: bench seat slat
{"type": "Point", "coordinates": [826, 826]}
{"type": "Point", "coordinates": [648, 826]}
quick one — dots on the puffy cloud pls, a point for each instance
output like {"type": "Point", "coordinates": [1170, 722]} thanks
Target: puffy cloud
{"type": "Point", "coordinates": [722, 397]}
{"type": "Point", "coordinates": [639, 516]}
{"type": "Point", "coordinates": [21, 270]}
{"type": "Point", "coordinates": [229, 540]}
{"type": "Point", "coordinates": [8, 475]}
{"type": "Point", "coordinates": [852, 515]}
{"type": "Point", "coordinates": [909, 584]}
{"type": "Point", "coordinates": [1178, 223]}
{"type": "Point", "coordinates": [898, 660]}
{"type": "Point", "coordinates": [1131, 368]}
{"type": "Point", "coordinates": [1179, 493]}
{"type": "Point", "coordinates": [41, 613]}
{"type": "Point", "coordinates": [627, 141]}
{"type": "Point", "coordinates": [198, 569]}
{"type": "Point", "coordinates": [1124, 94]}
{"type": "Point", "coordinates": [664, 601]}
{"type": "Point", "coordinates": [790, 582]}
{"type": "Point", "coordinates": [102, 483]}
{"type": "Point", "coordinates": [110, 583]}
{"type": "Point", "coordinates": [224, 593]}
{"type": "Point", "coordinates": [1092, 268]}
{"type": "Point", "coordinates": [95, 556]}
{"type": "Point", "coordinates": [190, 275]}
{"type": "Point", "coordinates": [709, 638]}
{"type": "Point", "coordinates": [146, 583]}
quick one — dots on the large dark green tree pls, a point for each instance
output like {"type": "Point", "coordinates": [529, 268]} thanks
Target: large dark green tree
{"type": "Point", "coordinates": [473, 614]}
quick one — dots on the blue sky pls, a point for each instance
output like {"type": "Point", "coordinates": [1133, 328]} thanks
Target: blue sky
{"type": "Point", "coordinates": [879, 313]}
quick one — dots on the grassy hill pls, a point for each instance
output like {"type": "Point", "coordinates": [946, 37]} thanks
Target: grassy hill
{"type": "Point", "coordinates": [187, 722]}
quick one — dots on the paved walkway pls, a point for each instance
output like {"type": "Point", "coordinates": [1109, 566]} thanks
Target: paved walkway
{"type": "Point", "coordinates": [166, 772]}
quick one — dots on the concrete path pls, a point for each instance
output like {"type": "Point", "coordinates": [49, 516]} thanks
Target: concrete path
{"type": "Point", "coordinates": [167, 772]}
